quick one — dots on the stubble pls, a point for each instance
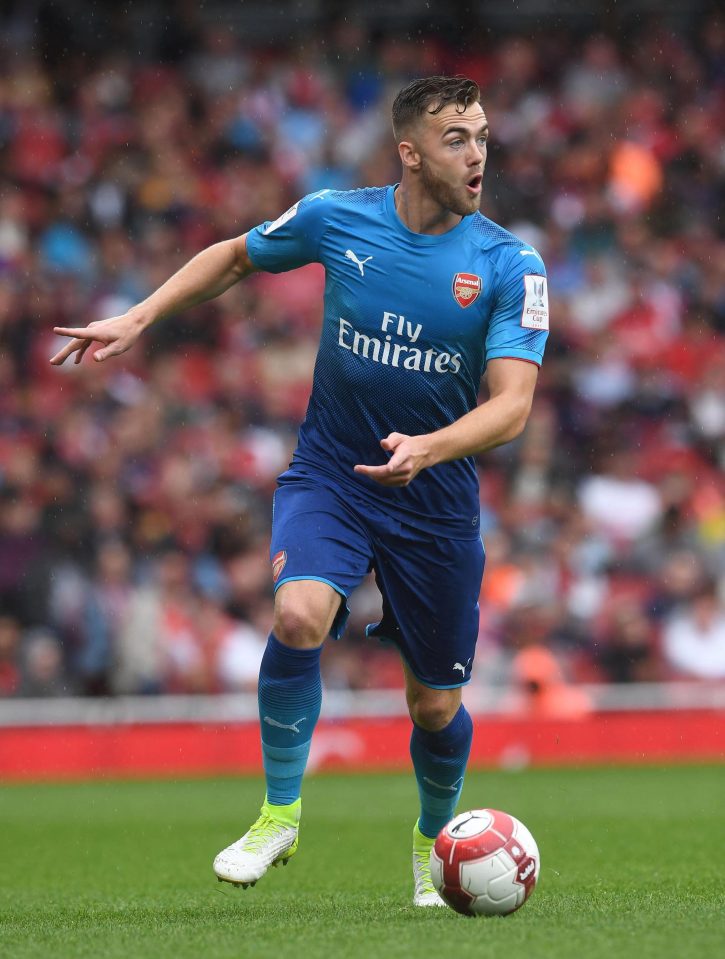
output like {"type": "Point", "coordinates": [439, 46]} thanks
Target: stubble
{"type": "Point", "coordinates": [446, 195]}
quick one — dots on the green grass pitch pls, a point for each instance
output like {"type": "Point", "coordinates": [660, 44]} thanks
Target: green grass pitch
{"type": "Point", "coordinates": [632, 866]}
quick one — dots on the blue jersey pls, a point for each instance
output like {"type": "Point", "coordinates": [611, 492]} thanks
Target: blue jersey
{"type": "Point", "coordinates": [410, 322]}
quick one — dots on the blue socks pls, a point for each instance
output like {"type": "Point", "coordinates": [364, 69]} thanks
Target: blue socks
{"type": "Point", "coordinates": [439, 760]}
{"type": "Point", "coordinates": [290, 695]}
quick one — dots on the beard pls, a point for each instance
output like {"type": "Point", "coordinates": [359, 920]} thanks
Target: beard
{"type": "Point", "coordinates": [457, 200]}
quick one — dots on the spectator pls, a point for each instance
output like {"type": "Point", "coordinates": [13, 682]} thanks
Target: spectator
{"type": "Point", "coordinates": [104, 617]}
{"type": "Point", "coordinates": [42, 673]}
{"type": "Point", "coordinates": [9, 655]}
{"type": "Point", "coordinates": [240, 648]}
{"type": "Point", "coordinates": [618, 502]}
{"type": "Point", "coordinates": [626, 652]}
{"type": "Point", "coordinates": [693, 639]}
{"type": "Point", "coordinates": [539, 689]}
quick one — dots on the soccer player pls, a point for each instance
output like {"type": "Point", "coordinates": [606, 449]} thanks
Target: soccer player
{"type": "Point", "coordinates": [423, 295]}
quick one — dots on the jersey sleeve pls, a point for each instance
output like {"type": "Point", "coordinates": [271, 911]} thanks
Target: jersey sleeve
{"type": "Point", "coordinates": [291, 240]}
{"type": "Point", "coordinates": [519, 323]}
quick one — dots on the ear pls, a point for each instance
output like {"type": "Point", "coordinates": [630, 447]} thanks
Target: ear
{"type": "Point", "coordinates": [409, 155]}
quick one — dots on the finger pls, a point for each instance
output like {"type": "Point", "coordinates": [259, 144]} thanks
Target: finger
{"type": "Point", "coordinates": [113, 349]}
{"type": "Point", "coordinates": [399, 461]}
{"type": "Point", "coordinates": [63, 354]}
{"type": "Point", "coordinates": [81, 333]}
{"type": "Point", "coordinates": [384, 479]}
{"type": "Point", "coordinates": [383, 476]}
{"type": "Point", "coordinates": [391, 441]}
{"type": "Point", "coordinates": [374, 472]}
{"type": "Point", "coordinates": [398, 465]}
{"type": "Point", "coordinates": [82, 351]}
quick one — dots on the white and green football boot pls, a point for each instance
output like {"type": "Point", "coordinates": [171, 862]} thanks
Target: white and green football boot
{"type": "Point", "coordinates": [270, 841]}
{"type": "Point", "coordinates": [424, 892]}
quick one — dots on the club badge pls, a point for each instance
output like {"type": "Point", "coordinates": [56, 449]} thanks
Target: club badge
{"type": "Point", "coordinates": [466, 288]}
{"type": "Point", "coordinates": [278, 564]}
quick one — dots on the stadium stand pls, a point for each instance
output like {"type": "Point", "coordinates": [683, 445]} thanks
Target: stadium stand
{"type": "Point", "coordinates": [135, 497]}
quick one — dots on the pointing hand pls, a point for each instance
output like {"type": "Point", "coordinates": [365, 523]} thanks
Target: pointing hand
{"type": "Point", "coordinates": [117, 335]}
{"type": "Point", "coordinates": [411, 454]}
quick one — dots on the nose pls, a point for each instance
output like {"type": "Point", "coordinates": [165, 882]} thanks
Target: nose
{"type": "Point", "coordinates": [476, 154]}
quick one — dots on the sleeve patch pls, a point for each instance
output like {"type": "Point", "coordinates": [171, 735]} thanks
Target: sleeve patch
{"type": "Point", "coordinates": [535, 314]}
{"type": "Point", "coordinates": [281, 220]}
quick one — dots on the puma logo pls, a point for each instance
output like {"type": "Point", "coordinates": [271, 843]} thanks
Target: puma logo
{"type": "Point", "coordinates": [460, 825]}
{"type": "Point", "coordinates": [462, 667]}
{"type": "Point", "coordinates": [349, 255]}
{"type": "Point", "coordinates": [453, 788]}
{"type": "Point", "coordinates": [293, 726]}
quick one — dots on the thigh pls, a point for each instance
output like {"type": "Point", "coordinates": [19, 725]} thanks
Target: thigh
{"type": "Point", "coordinates": [316, 537]}
{"type": "Point", "coordinates": [430, 589]}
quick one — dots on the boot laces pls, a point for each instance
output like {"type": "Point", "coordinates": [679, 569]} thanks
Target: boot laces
{"type": "Point", "coordinates": [422, 861]}
{"type": "Point", "coordinates": [264, 829]}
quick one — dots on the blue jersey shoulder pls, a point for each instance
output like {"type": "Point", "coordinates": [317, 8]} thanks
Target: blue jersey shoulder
{"type": "Point", "coordinates": [294, 238]}
{"type": "Point", "coordinates": [512, 257]}
{"type": "Point", "coordinates": [361, 196]}
{"type": "Point", "coordinates": [364, 197]}
{"type": "Point", "coordinates": [329, 207]}
{"type": "Point", "coordinates": [493, 237]}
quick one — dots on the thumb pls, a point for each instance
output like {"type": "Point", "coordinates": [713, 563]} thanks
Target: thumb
{"type": "Point", "coordinates": [100, 355]}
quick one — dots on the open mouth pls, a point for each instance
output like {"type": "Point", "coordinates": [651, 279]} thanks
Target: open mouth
{"type": "Point", "coordinates": [474, 184]}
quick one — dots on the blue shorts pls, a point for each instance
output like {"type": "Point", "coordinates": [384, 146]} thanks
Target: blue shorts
{"type": "Point", "coordinates": [430, 585]}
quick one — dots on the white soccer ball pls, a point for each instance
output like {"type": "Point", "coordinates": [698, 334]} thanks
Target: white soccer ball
{"type": "Point", "coordinates": [485, 863]}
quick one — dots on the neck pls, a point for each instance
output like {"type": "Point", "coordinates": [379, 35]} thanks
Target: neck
{"type": "Point", "coordinates": [420, 212]}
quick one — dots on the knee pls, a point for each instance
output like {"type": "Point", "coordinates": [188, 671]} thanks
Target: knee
{"type": "Point", "coordinates": [433, 712]}
{"type": "Point", "coordinates": [298, 626]}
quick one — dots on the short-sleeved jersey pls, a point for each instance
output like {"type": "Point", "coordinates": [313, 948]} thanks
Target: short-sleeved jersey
{"type": "Point", "coordinates": [410, 322]}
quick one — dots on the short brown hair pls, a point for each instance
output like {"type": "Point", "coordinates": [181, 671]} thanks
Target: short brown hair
{"type": "Point", "coordinates": [430, 95]}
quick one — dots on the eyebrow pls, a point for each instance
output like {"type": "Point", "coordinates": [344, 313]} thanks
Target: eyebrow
{"type": "Point", "coordinates": [464, 130]}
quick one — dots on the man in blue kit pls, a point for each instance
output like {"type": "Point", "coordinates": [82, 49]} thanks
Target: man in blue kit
{"type": "Point", "coordinates": [422, 295]}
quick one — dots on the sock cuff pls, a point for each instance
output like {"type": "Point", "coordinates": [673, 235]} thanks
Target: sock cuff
{"type": "Point", "coordinates": [448, 740]}
{"type": "Point", "coordinates": [286, 661]}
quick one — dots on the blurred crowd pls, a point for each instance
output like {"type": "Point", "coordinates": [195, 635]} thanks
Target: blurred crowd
{"type": "Point", "coordinates": [135, 497]}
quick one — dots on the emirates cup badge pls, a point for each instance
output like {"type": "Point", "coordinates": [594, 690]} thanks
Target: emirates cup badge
{"type": "Point", "coordinates": [466, 288]}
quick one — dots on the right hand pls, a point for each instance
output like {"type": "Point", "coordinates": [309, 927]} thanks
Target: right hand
{"type": "Point", "coordinates": [117, 335]}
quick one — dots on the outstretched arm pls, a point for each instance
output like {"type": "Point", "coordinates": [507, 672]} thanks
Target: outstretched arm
{"type": "Point", "coordinates": [207, 275]}
{"type": "Point", "coordinates": [501, 418]}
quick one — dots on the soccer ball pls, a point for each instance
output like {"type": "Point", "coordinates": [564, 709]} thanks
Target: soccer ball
{"type": "Point", "coordinates": [484, 863]}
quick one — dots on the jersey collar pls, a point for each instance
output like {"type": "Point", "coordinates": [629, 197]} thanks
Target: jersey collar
{"type": "Point", "coordinates": [422, 239]}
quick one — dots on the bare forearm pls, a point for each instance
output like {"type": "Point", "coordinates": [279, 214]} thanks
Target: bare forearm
{"type": "Point", "coordinates": [207, 275]}
{"type": "Point", "coordinates": [511, 384]}
{"type": "Point", "coordinates": [210, 273]}
{"type": "Point", "coordinates": [497, 421]}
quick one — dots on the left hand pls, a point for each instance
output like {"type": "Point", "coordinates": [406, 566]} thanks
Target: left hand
{"type": "Point", "coordinates": [411, 454]}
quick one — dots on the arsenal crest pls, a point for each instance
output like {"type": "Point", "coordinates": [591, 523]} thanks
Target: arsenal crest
{"type": "Point", "coordinates": [278, 564]}
{"type": "Point", "coordinates": [466, 288]}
